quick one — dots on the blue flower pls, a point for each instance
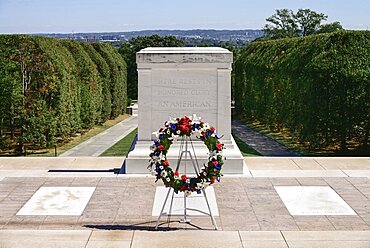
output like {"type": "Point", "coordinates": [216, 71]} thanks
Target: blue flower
{"type": "Point", "coordinates": [156, 143]}
{"type": "Point", "coordinates": [161, 136]}
{"type": "Point", "coordinates": [199, 191]}
{"type": "Point", "coordinates": [173, 126]}
{"type": "Point", "coordinates": [176, 191]}
{"type": "Point", "coordinates": [218, 179]}
{"type": "Point", "coordinates": [218, 167]}
{"type": "Point", "coordinates": [208, 133]}
{"type": "Point", "coordinates": [157, 154]}
{"type": "Point", "coordinates": [195, 127]}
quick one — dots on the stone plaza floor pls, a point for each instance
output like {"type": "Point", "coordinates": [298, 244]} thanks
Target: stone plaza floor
{"type": "Point", "coordinates": [277, 202]}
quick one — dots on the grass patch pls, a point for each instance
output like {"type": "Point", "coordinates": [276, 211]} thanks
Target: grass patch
{"type": "Point", "coordinates": [78, 139]}
{"type": "Point", "coordinates": [122, 147]}
{"type": "Point", "coordinates": [245, 149]}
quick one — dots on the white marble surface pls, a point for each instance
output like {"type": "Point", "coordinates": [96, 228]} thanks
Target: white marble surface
{"type": "Point", "coordinates": [313, 200]}
{"type": "Point", "coordinates": [58, 201]}
{"type": "Point", "coordinates": [195, 201]}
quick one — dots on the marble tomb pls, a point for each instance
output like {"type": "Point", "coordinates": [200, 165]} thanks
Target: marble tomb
{"type": "Point", "coordinates": [174, 82]}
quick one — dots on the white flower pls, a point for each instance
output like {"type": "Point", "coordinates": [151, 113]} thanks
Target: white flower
{"type": "Point", "coordinates": [212, 154]}
{"type": "Point", "coordinates": [154, 159]}
{"type": "Point", "coordinates": [164, 173]}
{"type": "Point", "coordinates": [161, 167]}
{"type": "Point", "coordinates": [156, 134]}
{"type": "Point", "coordinates": [187, 193]}
{"type": "Point", "coordinates": [195, 118]}
{"type": "Point", "coordinates": [168, 131]}
{"type": "Point", "coordinates": [201, 185]}
{"type": "Point", "coordinates": [168, 179]}
{"type": "Point", "coordinates": [173, 120]}
{"type": "Point", "coordinates": [178, 132]}
{"type": "Point", "coordinates": [204, 173]}
{"type": "Point", "coordinates": [152, 147]}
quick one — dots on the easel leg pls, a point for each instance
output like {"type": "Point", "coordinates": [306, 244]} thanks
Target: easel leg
{"type": "Point", "coordinates": [164, 205]}
{"type": "Point", "coordinates": [209, 208]}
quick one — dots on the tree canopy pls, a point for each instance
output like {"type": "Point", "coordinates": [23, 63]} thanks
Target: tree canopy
{"type": "Point", "coordinates": [286, 24]}
{"type": "Point", "coordinates": [129, 49]}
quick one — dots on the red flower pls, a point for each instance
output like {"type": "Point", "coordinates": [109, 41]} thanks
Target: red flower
{"type": "Point", "coordinates": [185, 128]}
{"type": "Point", "coordinates": [160, 147]}
{"type": "Point", "coordinates": [165, 163]}
{"type": "Point", "coordinates": [212, 129]}
{"type": "Point", "coordinates": [203, 133]}
{"type": "Point", "coordinates": [184, 125]}
{"type": "Point", "coordinates": [215, 162]}
{"type": "Point", "coordinates": [176, 173]}
{"type": "Point", "coordinates": [219, 146]}
{"type": "Point", "coordinates": [184, 177]}
{"type": "Point", "coordinates": [184, 120]}
{"type": "Point", "coordinates": [212, 180]}
{"type": "Point", "coordinates": [183, 188]}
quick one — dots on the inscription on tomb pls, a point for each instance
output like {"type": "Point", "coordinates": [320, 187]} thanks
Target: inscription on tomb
{"type": "Point", "coordinates": [182, 91]}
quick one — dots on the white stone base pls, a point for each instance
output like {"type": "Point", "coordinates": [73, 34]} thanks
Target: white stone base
{"type": "Point", "coordinates": [137, 160]}
{"type": "Point", "coordinates": [58, 201]}
{"type": "Point", "coordinates": [194, 201]}
{"type": "Point", "coordinates": [313, 200]}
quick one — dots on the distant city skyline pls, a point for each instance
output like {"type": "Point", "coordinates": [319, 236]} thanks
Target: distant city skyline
{"type": "Point", "coordinates": [77, 16]}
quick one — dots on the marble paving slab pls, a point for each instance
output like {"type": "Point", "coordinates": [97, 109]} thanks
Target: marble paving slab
{"type": "Point", "coordinates": [313, 200]}
{"type": "Point", "coordinates": [58, 201]}
{"type": "Point", "coordinates": [195, 201]}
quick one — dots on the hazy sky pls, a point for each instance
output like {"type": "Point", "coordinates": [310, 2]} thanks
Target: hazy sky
{"type": "Point", "coordinates": [66, 16]}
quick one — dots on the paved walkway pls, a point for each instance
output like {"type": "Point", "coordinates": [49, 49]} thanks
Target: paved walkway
{"type": "Point", "coordinates": [261, 143]}
{"type": "Point", "coordinates": [251, 212]}
{"type": "Point", "coordinates": [183, 239]}
{"type": "Point", "coordinates": [101, 142]}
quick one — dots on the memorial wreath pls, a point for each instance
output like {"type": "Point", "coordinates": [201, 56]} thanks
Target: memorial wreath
{"type": "Point", "coordinates": [186, 126]}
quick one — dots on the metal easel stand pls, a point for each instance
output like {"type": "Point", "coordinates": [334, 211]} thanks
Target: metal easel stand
{"type": "Point", "coordinates": [185, 140]}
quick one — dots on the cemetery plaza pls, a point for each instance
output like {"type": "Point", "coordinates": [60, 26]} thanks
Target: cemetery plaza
{"type": "Point", "coordinates": [98, 208]}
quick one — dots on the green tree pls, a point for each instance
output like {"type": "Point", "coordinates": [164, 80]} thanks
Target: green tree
{"type": "Point", "coordinates": [330, 27]}
{"type": "Point", "coordinates": [286, 24]}
{"type": "Point", "coordinates": [10, 89]}
{"type": "Point", "coordinates": [282, 24]}
{"type": "Point", "coordinates": [309, 21]}
{"type": "Point", "coordinates": [129, 49]}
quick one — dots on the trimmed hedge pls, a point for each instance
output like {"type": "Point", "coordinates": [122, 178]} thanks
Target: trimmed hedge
{"type": "Point", "coordinates": [53, 88]}
{"type": "Point", "coordinates": [316, 86]}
